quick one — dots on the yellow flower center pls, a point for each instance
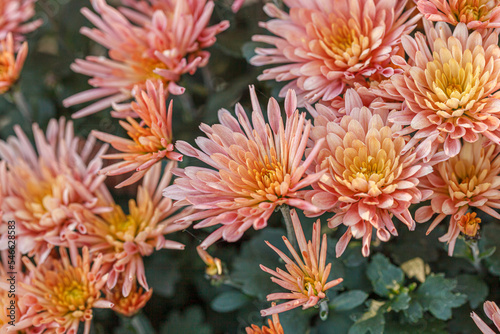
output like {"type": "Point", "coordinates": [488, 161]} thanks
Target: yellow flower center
{"type": "Point", "coordinates": [69, 292]}
{"type": "Point", "coordinates": [456, 78]}
{"type": "Point", "coordinates": [474, 10]}
{"type": "Point", "coordinates": [269, 175]}
{"type": "Point", "coordinates": [344, 42]}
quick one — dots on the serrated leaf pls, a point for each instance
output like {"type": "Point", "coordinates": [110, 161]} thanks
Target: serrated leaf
{"type": "Point", "coordinates": [436, 296]}
{"type": "Point", "coordinates": [372, 321]}
{"type": "Point", "coordinates": [414, 312]}
{"type": "Point", "coordinates": [348, 300]}
{"type": "Point", "coordinates": [229, 301]}
{"type": "Point", "coordinates": [189, 322]}
{"type": "Point", "coordinates": [384, 275]}
{"type": "Point", "coordinates": [474, 287]}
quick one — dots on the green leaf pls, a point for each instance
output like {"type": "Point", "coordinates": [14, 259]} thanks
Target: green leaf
{"type": "Point", "coordinates": [348, 300]}
{"type": "Point", "coordinates": [191, 322]}
{"type": "Point", "coordinates": [425, 326]}
{"type": "Point", "coordinates": [414, 312]}
{"type": "Point", "coordinates": [400, 301]}
{"type": "Point", "coordinates": [385, 276]}
{"type": "Point", "coordinates": [255, 252]}
{"type": "Point", "coordinates": [295, 321]}
{"type": "Point", "coordinates": [417, 268]}
{"type": "Point", "coordinates": [474, 287]}
{"type": "Point", "coordinates": [372, 321]}
{"type": "Point", "coordinates": [138, 324]}
{"type": "Point", "coordinates": [163, 273]}
{"type": "Point", "coordinates": [489, 240]}
{"type": "Point", "coordinates": [487, 253]}
{"type": "Point", "coordinates": [436, 296]}
{"type": "Point", "coordinates": [229, 301]}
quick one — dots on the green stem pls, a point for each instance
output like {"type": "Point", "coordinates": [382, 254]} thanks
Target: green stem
{"type": "Point", "coordinates": [21, 104]}
{"type": "Point", "coordinates": [475, 255]}
{"type": "Point", "coordinates": [285, 211]}
{"type": "Point", "coordinates": [323, 309]}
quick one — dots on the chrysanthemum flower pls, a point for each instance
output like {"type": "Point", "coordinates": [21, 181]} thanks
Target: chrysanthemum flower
{"type": "Point", "coordinates": [476, 14]}
{"type": "Point", "coordinates": [493, 312]}
{"type": "Point", "coordinates": [151, 139]}
{"type": "Point", "coordinates": [469, 224]}
{"type": "Point", "coordinates": [47, 191]}
{"type": "Point", "coordinates": [124, 239]}
{"type": "Point", "coordinates": [10, 64]}
{"type": "Point", "coordinates": [469, 180]}
{"type": "Point", "coordinates": [369, 179]}
{"type": "Point", "coordinates": [450, 87]}
{"type": "Point", "coordinates": [306, 277]}
{"type": "Point", "coordinates": [155, 40]}
{"type": "Point", "coordinates": [326, 47]}
{"type": "Point", "coordinates": [61, 293]}
{"type": "Point", "coordinates": [14, 15]}
{"type": "Point", "coordinates": [274, 326]}
{"type": "Point", "coordinates": [133, 303]}
{"type": "Point", "coordinates": [214, 265]}
{"type": "Point", "coordinates": [257, 169]}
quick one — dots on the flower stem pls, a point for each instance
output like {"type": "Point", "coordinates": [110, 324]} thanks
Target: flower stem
{"type": "Point", "coordinates": [285, 211]}
{"type": "Point", "coordinates": [475, 255]}
{"type": "Point", "coordinates": [21, 104]}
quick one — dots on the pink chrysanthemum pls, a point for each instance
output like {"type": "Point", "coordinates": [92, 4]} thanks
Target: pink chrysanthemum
{"type": "Point", "coordinates": [451, 87]}
{"type": "Point", "coordinates": [493, 312]}
{"type": "Point", "coordinates": [369, 179]}
{"type": "Point", "coordinates": [10, 64]}
{"type": "Point", "coordinates": [155, 40]}
{"type": "Point", "coordinates": [124, 239]}
{"type": "Point", "coordinates": [477, 14]}
{"type": "Point", "coordinates": [469, 180]}
{"type": "Point", "coordinates": [327, 46]}
{"type": "Point", "coordinates": [61, 292]}
{"type": "Point", "coordinates": [151, 139]}
{"type": "Point", "coordinates": [47, 191]}
{"type": "Point", "coordinates": [14, 15]}
{"type": "Point", "coordinates": [306, 277]}
{"type": "Point", "coordinates": [257, 169]}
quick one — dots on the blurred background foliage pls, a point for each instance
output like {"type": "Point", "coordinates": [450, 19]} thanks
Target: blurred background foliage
{"type": "Point", "coordinates": [407, 285]}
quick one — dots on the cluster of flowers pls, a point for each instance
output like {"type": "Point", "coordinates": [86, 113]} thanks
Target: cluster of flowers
{"type": "Point", "coordinates": [398, 120]}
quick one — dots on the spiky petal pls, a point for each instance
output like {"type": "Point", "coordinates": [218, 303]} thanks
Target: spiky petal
{"type": "Point", "coordinates": [307, 273]}
{"type": "Point", "coordinates": [256, 168]}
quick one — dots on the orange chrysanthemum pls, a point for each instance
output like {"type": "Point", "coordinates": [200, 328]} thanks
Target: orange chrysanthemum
{"type": "Point", "coordinates": [125, 239]}
{"type": "Point", "coordinates": [493, 312]}
{"type": "Point", "coordinates": [306, 277]}
{"type": "Point", "coordinates": [476, 14]}
{"type": "Point", "coordinates": [328, 46]}
{"type": "Point", "coordinates": [369, 179]}
{"type": "Point", "coordinates": [451, 88]}
{"type": "Point", "coordinates": [10, 64]}
{"type": "Point", "coordinates": [257, 169]}
{"type": "Point", "coordinates": [48, 190]}
{"type": "Point", "coordinates": [154, 40]}
{"type": "Point", "coordinates": [151, 139]}
{"type": "Point", "coordinates": [469, 180]}
{"type": "Point", "coordinates": [61, 292]}
{"type": "Point", "coordinates": [14, 15]}
{"type": "Point", "coordinates": [274, 326]}
{"type": "Point", "coordinates": [469, 224]}
{"type": "Point", "coordinates": [133, 303]}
